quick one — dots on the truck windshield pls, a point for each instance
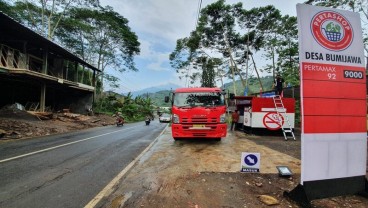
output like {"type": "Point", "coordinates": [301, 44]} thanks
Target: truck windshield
{"type": "Point", "coordinates": [191, 99]}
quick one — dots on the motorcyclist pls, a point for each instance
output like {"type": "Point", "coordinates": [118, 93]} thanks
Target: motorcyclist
{"type": "Point", "coordinates": [148, 120]}
{"type": "Point", "coordinates": [119, 119]}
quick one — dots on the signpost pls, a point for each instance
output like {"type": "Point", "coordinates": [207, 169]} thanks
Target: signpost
{"type": "Point", "coordinates": [250, 162]}
{"type": "Point", "coordinates": [333, 104]}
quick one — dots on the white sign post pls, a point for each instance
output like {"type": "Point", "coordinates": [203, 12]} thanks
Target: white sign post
{"type": "Point", "coordinates": [250, 162]}
{"type": "Point", "coordinates": [333, 103]}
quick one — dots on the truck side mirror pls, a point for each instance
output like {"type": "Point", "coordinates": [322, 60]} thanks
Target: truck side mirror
{"type": "Point", "coordinates": [167, 99]}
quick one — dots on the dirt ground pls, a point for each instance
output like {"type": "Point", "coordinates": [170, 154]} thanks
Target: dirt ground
{"type": "Point", "coordinates": [206, 174]}
{"type": "Point", "coordinates": [193, 174]}
{"type": "Point", "coordinates": [20, 124]}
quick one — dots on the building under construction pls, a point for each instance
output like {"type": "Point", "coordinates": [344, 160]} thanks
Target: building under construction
{"type": "Point", "coordinates": [40, 74]}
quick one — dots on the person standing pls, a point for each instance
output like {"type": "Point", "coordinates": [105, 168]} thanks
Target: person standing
{"type": "Point", "coordinates": [278, 85]}
{"type": "Point", "coordinates": [234, 120]}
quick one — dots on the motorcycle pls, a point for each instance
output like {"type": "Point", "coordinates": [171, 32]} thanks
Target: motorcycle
{"type": "Point", "coordinates": [119, 121]}
{"type": "Point", "coordinates": [147, 121]}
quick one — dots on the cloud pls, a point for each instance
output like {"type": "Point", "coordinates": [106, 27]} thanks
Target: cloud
{"type": "Point", "coordinates": [159, 62]}
{"type": "Point", "coordinates": [152, 59]}
{"type": "Point", "coordinates": [146, 49]}
{"type": "Point", "coordinates": [167, 19]}
{"type": "Point", "coordinates": [159, 24]}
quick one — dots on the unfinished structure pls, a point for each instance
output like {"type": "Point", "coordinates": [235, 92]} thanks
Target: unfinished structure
{"type": "Point", "coordinates": [40, 74]}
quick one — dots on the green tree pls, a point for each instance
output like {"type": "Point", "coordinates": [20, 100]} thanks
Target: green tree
{"type": "Point", "coordinates": [7, 9]}
{"type": "Point", "coordinates": [288, 52]}
{"type": "Point", "coordinates": [128, 99]}
{"type": "Point", "coordinates": [217, 29]}
{"type": "Point", "coordinates": [236, 34]}
{"type": "Point", "coordinates": [270, 31]}
{"type": "Point", "coordinates": [215, 32]}
{"type": "Point", "coordinates": [44, 16]}
{"type": "Point", "coordinates": [259, 24]}
{"type": "Point", "coordinates": [209, 65]}
{"type": "Point", "coordinates": [132, 109]}
{"type": "Point", "coordinates": [102, 35]}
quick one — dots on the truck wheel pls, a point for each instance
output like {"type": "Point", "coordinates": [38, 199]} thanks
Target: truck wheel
{"type": "Point", "coordinates": [176, 139]}
{"type": "Point", "coordinates": [218, 139]}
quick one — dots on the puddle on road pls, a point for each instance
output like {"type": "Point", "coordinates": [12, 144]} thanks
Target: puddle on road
{"type": "Point", "coordinates": [120, 200]}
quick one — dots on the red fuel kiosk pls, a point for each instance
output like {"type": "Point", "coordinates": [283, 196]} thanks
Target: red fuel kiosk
{"type": "Point", "coordinates": [261, 113]}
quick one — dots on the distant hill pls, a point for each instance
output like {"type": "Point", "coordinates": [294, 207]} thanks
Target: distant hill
{"type": "Point", "coordinates": [158, 98]}
{"type": "Point", "coordinates": [154, 89]}
{"type": "Point", "coordinates": [158, 93]}
{"type": "Point", "coordinates": [254, 85]}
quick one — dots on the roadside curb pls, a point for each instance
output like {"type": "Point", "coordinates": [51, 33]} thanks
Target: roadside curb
{"type": "Point", "coordinates": [109, 188]}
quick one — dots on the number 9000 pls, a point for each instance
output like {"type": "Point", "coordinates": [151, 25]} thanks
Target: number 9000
{"type": "Point", "coordinates": [353, 74]}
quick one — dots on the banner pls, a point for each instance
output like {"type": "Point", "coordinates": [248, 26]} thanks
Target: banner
{"type": "Point", "coordinates": [333, 94]}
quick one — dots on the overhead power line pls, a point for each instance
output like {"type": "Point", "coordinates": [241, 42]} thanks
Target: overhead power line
{"type": "Point", "coordinates": [196, 23]}
{"type": "Point", "coordinates": [198, 12]}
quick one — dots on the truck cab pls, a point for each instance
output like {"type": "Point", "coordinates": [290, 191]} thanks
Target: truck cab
{"type": "Point", "coordinates": [198, 113]}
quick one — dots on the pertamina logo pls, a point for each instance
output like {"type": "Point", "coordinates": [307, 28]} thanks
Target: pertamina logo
{"type": "Point", "coordinates": [332, 30]}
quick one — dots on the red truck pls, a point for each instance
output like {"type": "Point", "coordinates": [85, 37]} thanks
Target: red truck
{"type": "Point", "coordinates": [198, 113]}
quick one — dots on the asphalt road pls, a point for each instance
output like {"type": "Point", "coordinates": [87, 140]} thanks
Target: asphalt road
{"type": "Point", "coordinates": [69, 170]}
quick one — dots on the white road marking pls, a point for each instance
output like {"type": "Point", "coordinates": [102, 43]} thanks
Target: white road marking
{"type": "Point", "coordinates": [110, 187]}
{"type": "Point", "coordinates": [62, 145]}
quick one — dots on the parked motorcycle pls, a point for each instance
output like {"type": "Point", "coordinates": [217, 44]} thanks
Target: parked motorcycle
{"type": "Point", "coordinates": [119, 121]}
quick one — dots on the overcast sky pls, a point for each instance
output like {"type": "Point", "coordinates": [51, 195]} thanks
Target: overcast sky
{"type": "Point", "coordinates": [158, 24]}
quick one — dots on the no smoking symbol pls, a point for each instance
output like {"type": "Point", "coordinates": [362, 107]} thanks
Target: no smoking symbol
{"type": "Point", "coordinates": [273, 121]}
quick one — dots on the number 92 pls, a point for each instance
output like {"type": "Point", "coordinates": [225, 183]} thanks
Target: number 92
{"type": "Point", "coordinates": [331, 76]}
